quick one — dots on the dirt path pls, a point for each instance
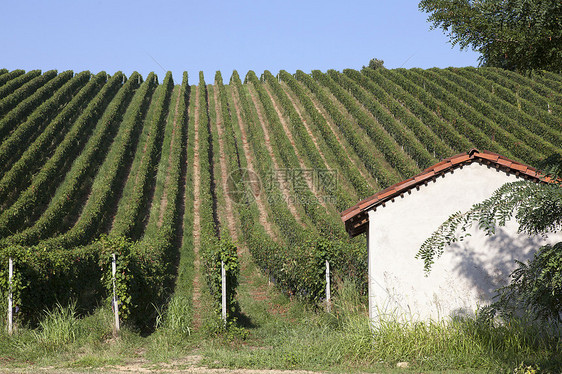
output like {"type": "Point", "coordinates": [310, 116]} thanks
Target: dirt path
{"type": "Point", "coordinates": [196, 217]}
{"type": "Point", "coordinates": [284, 189]}
{"type": "Point", "coordinates": [164, 200]}
{"type": "Point", "coordinates": [250, 162]}
{"type": "Point", "coordinates": [289, 134]}
{"type": "Point", "coordinates": [188, 364]}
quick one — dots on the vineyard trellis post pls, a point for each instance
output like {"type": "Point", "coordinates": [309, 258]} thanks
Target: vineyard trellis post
{"type": "Point", "coordinates": [10, 296]}
{"type": "Point", "coordinates": [114, 301]}
{"type": "Point", "coordinates": [223, 289]}
{"type": "Point", "coordinates": [328, 293]}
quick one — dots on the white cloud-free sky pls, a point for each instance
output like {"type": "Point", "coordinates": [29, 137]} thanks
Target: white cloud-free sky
{"type": "Point", "coordinates": [220, 35]}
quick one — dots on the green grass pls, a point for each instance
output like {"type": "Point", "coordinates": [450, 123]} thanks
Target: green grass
{"type": "Point", "coordinates": [276, 332]}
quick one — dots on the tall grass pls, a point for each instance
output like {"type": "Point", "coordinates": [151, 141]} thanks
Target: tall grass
{"type": "Point", "coordinates": [177, 318]}
{"type": "Point", "coordinates": [60, 326]}
{"type": "Point", "coordinates": [347, 339]}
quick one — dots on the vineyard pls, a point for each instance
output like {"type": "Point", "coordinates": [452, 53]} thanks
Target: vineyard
{"type": "Point", "coordinates": [177, 178]}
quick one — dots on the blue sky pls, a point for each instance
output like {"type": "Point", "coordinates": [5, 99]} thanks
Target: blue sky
{"type": "Point", "coordinates": [204, 35]}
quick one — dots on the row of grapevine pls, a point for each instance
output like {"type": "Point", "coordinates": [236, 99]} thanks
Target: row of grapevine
{"type": "Point", "coordinates": [43, 183]}
{"type": "Point", "coordinates": [388, 135]}
{"type": "Point", "coordinates": [501, 141]}
{"type": "Point", "coordinates": [77, 181]}
{"type": "Point", "coordinates": [305, 145]}
{"type": "Point", "coordinates": [39, 119]}
{"type": "Point", "coordinates": [544, 83]}
{"type": "Point", "coordinates": [437, 137]}
{"type": "Point", "coordinates": [536, 135]}
{"type": "Point", "coordinates": [325, 223]}
{"type": "Point", "coordinates": [374, 160]}
{"type": "Point", "coordinates": [285, 263]}
{"type": "Point", "coordinates": [11, 97]}
{"type": "Point", "coordinates": [465, 108]}
{"type": "Point", "coordinates": [21, 111]}
{"type": "Point", "coordinates": [152, 259]}
{"type": "Point", "coordinates": [459, 133]}
{"type": "Point", "coordinates": [216, 246]}
{"type": "Point", "coordinates": [7, 76]}
{"type": "Point", "coordinates": [14, 84]}
{"type": "Point", "coordinates": [298, 266]}
{"type": "Point", "coordinates": [19, 175]}
{"type": "Point", "coordinates": [183, 288]}
{"type": "Point", "coordinates": [106, 153]}
{"type": "Point", "coordinates": [545, 78]}
{"type": "Point", "coordinates": [95, 212]}
{"type": "Point", "coordinates": [333, 145]}
{"type": "Point", "coordinates": [541, 107]}
{"type": "Point", "coordinates": [283, 154]}
{"type": "Point", "coordinates": [286, 221]}
{"type": "Point", "coordinates": [128, 220]}
{"type": "Point", "coordinates": [407, 138]}
{"type": "Point", "coordinates": [227, 252]}
{"type": "Point", "coordinates": [162, 169]}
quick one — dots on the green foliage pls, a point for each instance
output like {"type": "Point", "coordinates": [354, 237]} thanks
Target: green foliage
{"type": "Point", "coordinates": [470, 106]}
{"type": "Point", "coordinates": [9, 75]}
{"type": "Point", "coordinates": [11, 100]}
{"type": "Point", "coordinates": [121, 247]}
{"type": "Point", "coordinates": [40, 99]}
{"type": "Point", "coordinates": [82, 170]}
{"type": "Point", "coordinates": [386, 133]}
{"type": "Point", "coordinates": [333, 145]}
{"type": "Point", "coordinates": [109, 173]}
{"type": "Point", "coordinates": [225, 252]}
{"type": "Point", "coordinates": [33, 157]}
{"type": "Point", "coordinates": [383, 175]}
{"type": "Point", "coordinates": [422, 145]}
{"type": "Point", "coordinates": [536, 285]}
{"type": "Point", "coordinates": [136, 191]}
{"type": "Point", "coordinates": [46, 276]}
{"type": "Point", "coordinates": [141, 277]}
{"type": "Point", "coordinates": [520, 35]}
{"type": "Point", "coordinates": [375, 64]}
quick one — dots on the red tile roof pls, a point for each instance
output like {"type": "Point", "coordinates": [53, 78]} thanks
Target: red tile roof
{"type": "Point", "coordinates": [356, 218]}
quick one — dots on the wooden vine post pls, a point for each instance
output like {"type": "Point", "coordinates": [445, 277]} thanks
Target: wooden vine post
{"type": "Point", "coordinates": [223, 287]}
{"type": "Point", "coordinates": [328, 293]}
{"type": "Point", "coordinates": [114, 301]}
{"type": "Point", "coordinates": [10, 297]}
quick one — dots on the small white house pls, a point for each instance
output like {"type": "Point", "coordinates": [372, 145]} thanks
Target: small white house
{"type": "Point", "coordinates": [400, 218]}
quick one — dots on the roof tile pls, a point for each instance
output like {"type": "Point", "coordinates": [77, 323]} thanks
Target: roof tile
{"type": "Point", "coordinates": [438, 169]}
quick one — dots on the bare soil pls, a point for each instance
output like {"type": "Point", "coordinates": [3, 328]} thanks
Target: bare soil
{"type": "Point", "coordinates": [188, 364]}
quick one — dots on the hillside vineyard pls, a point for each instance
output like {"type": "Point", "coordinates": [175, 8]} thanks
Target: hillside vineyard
{"type": "Point", "coordinates": [169, 169]}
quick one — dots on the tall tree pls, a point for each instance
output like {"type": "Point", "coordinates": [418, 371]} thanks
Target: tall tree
{"type": "Point", "coordinates": [521, 35]}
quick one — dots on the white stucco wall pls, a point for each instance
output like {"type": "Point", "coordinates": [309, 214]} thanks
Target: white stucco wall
{"type": "Point", "coordinates": [467, 273]}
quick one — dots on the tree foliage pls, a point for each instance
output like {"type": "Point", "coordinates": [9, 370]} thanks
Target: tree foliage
{"type": "Point", "coordinates": [520, 35]}
{"type": "Point", "coordinates": [537, 208]}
